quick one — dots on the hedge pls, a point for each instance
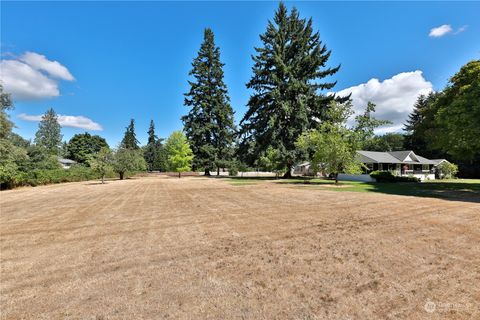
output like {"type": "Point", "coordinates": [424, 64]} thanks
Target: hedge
{"type": "Point", "coordinates": [387, 176]}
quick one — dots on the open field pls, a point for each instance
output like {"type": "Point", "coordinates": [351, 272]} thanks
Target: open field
{"type": "Point", "coordinates": [192, 248]}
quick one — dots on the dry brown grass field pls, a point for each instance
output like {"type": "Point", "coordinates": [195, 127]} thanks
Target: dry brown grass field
{"type": "Point", "coordinates": [198, 248]}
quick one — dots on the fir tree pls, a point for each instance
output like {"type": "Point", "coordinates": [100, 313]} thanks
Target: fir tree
{"type": "Point", "coordinates": [420, 123]}
{"type": "Point", "coordinates": [48, 135]}
{"type": "Point", "coordinates": [129, 140]}
{"type": "Point", "coordinates": [209, 125]}
{"type": "Point", "coordinates": [286, 81]}
{"type": "Point", "coordinates": [153, 149]}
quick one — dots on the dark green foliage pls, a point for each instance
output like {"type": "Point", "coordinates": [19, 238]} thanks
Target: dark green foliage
{"type": "Point", "coordinates": [82, 147]}
{"type": "Point", "coordinates": [457, 115]}
{"type": "Point", "coordinates": [153, 152]}
{"type": "Point", "coordinates": [5, 104]}
{"type": "Point", "coordinates": [129, 140]}
{"type": "Point", "coordinates": [48, 135]}
{"type": "Point", "coordinates": [209, 124]}
{"type": "Point", "coordinates": [421, 125]}
{"type": "Point", "coordinates": [387, 176]}
{"type": "Point", "coordinates": [386, 142]}
{"type": "Point", "coordinates": [286, 83]}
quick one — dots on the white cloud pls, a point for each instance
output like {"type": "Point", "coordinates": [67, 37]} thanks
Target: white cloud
{"type": "Point", "coordinates": [53, 68]}
{"type": "Point", "coordinates": [26, 83]}
{"type": "Point", "coordinates": [67, 121]}
{"type": "Point", "coordinates": [440, 31]}
{"type": "Point", "coordinates": [32, 76]}
{"type": "Point", "coordinates": [393, 97]}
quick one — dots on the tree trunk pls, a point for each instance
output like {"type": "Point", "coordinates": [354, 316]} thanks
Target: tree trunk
{"type": "Point", "coordinates": [288, 174]}
{"type": "Point", "coordinates": [121, 175]}
{"type": "Point", "coordinates": [336, 178]}
{"type": "Point", "coordinates": [179, 175]}
{"type": "Point", "coordinates": [218, 171]}
{"type": "Point", "coordinates": [103, 179]}
{"type": "Point", "coordinates": [207, 172]}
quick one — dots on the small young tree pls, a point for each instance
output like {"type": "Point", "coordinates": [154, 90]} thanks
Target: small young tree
{"type": "Point", "coordinates": [333, 143]}
{"type": "Point", "coordinates": [447, 170]}
{"type": "Point", "coordinates": [48, 134]}
{"type": "Point", "coordinates": [128, 160]}
{"type": "Point", "coordinates": [101, 162]}
{"type": "Point", "coordinates": [180, 156]}
{"type": "Point", "coordinates": [272, 161]}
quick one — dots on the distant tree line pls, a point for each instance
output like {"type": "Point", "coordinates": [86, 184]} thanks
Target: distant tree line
{"type": "Point", "coordinates": [288, 103]}
{"type": "Point", "coordinates": [290, 118]}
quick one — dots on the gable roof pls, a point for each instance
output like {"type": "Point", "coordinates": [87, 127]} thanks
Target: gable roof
{"type": "Point", "coordinates": [438, 161]}
{"type": "Point", "coordinates": [392, 157]}
{"type": "Point", "coordinates": [376, 157]}
{"type": "Point", "coordinates": [401, 155]}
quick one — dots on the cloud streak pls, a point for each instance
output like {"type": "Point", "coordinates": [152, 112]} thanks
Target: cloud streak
{"type": "Point", "coordinates": [445, 29]}
{"type": "Point", "coordinates": [440, 31]}
{"type": "Point", "coordinates": [394, 97]}
{"type": "Point", "coordinates": [80, 122]}
{"type": "Point", "coordinates": [33, 77]}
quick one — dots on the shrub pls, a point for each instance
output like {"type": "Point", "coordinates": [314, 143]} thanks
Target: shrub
{"type": "Point", "coordinates": [447, 170]}
{"type": "Point", "coordinates": [387, 176]}
{"type": "Point", "coordinates": [233, 169]}
{"type": "Point", "coordinates": [383, 176]}
{"type": "Point", "coordinates": [407, 179]}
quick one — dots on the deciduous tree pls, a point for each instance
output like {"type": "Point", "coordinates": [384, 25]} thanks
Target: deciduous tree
{"type": "Point", "coordinates": [101, 162]}
{"type": "Point", "coordinates": [180, 156]}
{"type": "Point", "coordinates": [82, 146]}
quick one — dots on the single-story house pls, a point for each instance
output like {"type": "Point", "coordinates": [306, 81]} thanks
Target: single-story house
{"type": "Point", "coordinates": [66, 163]}
{"type": "Point", "coordinates": [400, 163]}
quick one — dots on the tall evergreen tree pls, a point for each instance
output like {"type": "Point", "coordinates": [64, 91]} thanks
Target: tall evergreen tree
{"type": "Point", "coordinates": [153, 149]}
{"type": "Point", "coordinates": [209, 125]}
{"type": "Point", "coordinates": [129, 140]}
{"type": "Point", "coordinates": [287, 99]}
{"type": "Point", "coordinates": [420, 124]}
{"type": "Point", "coordinates": [48, 135]}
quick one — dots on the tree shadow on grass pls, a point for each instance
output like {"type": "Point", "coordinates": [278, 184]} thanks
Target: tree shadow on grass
{"type": "Point", "coordinates": [454, 191]}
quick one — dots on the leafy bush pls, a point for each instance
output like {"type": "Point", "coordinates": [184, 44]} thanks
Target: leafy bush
{"type": "Point", "coordinates": [233, 169]}
{"type": "Point", "coordinates": [447, 170]}
{"type": "Point", "coordinates": [383, 176]}
{"type": "Point", "coordinates": [407, 179]}
{"type": "Point", "coordinates": [387, 176]}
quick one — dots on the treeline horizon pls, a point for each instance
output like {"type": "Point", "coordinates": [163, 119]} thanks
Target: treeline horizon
{"type": "Point", "coordinates": [287, 109]}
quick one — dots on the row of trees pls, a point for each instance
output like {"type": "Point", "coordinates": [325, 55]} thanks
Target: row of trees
{"type": "Point", "coordinates": [288, 104]}
{"type": "Point", "coordinates": [26, 162]}
{"type": "Point", "coordinates": [446, 124]}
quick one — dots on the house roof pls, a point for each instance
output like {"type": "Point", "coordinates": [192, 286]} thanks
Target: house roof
{"type": "Point", "coordinates": [66, 161]}
{"type": "Point", "coordinates": [376, 157]}
{"type": "Point", "coordinates": [438, 161]}
{"type": "Point", "coordinates": [406, 157]}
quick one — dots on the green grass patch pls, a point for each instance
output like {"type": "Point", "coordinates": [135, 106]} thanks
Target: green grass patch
{"type": "Point", "coordinates": [468, 189]}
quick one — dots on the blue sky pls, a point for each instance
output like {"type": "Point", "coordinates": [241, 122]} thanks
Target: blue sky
{"type": "Point", "coordinates": [122, 60]}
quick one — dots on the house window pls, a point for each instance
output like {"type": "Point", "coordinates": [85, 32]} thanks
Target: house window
{"type": "Point", "coordinates": [425, 167]}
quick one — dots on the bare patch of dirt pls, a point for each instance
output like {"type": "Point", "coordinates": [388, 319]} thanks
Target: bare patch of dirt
{"type": "Point", "coordinates": [193, 248]}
